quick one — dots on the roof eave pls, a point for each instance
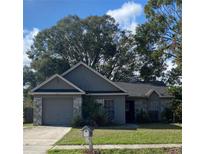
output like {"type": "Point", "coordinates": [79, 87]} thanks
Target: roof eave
{"type": "Point", "coordinates": [51, 78]}
{"type": "Point", "coordinates": [57, 93]}
{"type": "Point", "coordinates": [148, 96]}
{"type": "Point", "coordinates": [104, 94]}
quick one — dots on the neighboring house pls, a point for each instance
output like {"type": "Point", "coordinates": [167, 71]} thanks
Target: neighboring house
{"type": "Point", "coordinates": [58, 100]}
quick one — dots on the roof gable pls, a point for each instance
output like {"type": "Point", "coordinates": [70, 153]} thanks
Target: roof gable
{"type": "Point", "coordinates": [90, 80]}
{"type": "Point", "coordinates": [56, 83]}
{"type": "Point", "coordinates": [152, 92]}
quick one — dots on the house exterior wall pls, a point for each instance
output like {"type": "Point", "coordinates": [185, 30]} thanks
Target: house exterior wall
{"type": "Point", "coordinates": [119, 107]}
{"type": "Point", "coordinates": [56, 83]}
{"type": "Point", "coordinates": [89, 81]}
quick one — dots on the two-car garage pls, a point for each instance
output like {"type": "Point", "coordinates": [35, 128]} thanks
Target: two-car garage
{"type": "Point", "coordinates": [57, 110]}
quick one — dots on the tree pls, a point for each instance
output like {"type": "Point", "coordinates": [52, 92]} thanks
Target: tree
{"type": "Point", "coordinates": [152, 60]}
{"type": "Point", "coordinates": [29, 81]}
{"type": "Point", "coordinates": [97, 41]}
{"type": "Point", "coordinates": [28, 77]}
{"type": "Point", "coordinates": [174, 76]}
{"type": "Point", "coordinates": [176, 105]}
{"type": "Point", "coordinates": [161, 36]}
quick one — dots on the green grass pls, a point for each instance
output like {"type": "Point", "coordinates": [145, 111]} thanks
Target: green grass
{"type": "Point", "coordinates": [122, 151]}
{"type": "Point", "coordinates": [144, 134]}
{"type": "Point", "coordinates": [28, 125]}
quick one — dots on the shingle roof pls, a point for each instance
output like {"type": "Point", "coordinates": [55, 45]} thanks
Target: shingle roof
{"type": "Point", "coordinates": [142, 89]}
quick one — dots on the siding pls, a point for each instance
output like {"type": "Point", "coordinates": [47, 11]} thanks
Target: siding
{"type": "Point", "coordinates": [88, 80]}
{"type": "Point", "coordinates": [57, 83]}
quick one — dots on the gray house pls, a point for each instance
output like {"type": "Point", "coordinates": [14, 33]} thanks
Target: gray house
{"type": "Point", "coordinates": [58, 100]}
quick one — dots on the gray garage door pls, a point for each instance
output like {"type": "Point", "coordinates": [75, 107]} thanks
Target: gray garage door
{"type": "Point", "coordinates": [57, 110]}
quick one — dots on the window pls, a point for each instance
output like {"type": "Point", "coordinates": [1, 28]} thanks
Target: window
{"type": "Point", "coordinates": [100, 101]}
{"type": "Point", "coordinates": [109, 108]}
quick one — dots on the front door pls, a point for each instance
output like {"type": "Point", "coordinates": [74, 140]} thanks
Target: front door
{"type": "Point", "coordinates": [130, 111]}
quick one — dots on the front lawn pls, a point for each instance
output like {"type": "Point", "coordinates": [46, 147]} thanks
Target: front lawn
{"type": "Point", "coordinates": [144, 134]}
{"type": "Point", "coordinates": [28, 125]}
{"type": "Point", "coordinates": [122, 151]}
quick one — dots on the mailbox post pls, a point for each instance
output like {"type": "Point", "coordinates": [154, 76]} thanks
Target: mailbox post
{"type": "Point", "coordinates": [87, 133]}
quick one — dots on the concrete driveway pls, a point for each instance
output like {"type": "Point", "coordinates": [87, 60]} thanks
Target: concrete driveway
{"type": "Point", "coordinates": [38, 140]}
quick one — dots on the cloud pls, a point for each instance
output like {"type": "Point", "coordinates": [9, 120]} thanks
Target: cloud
{"type": "Point", "coordinates": [126, 15]}
{"type": "Point", "coordinates": [28, 37]}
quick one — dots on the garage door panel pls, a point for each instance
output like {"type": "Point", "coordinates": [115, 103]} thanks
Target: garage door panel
{"type": "Point", "coordinates": [57, 110]}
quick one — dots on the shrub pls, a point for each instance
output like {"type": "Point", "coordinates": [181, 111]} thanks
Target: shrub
{"type": "Point", "coordinates": [178, 113]}
{"type": "Point", "coordinates": [28, 115]}
{"type": "Point", "coordinates": [101, 118]}
{"type": "Point", "coordinates": [78, 122]}
{"type": "Point", "coordinates": [93, 113]}
{"type": "Point", "coordinates": [176, 104]}
{"type": "Point", "coordinates": [167, 115]}
{"type": "Point", "coordinates": [172, 114]}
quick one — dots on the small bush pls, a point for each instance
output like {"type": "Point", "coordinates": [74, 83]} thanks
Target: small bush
{"type": "Point", "coordinates": [101, 118]}
{"type": "Point", "coordinates": [78, 122]}
{"type": "Point", "coordinates": [28, 115]}
{"type": "Point", "coordinates": [93, 113]}
{"type": "Point", "coordinates": [176, 104]}
{"type": "Point", "coordinates": [172, 115]}
{"type": "Point", "coordinates": [142, 116]}
{"type": "Point", "coordinates": [178, 113]}
{"type": "Point", "coordinates": [167, 115]}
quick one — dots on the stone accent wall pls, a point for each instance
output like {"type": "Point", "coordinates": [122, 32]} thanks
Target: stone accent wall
{"type": "Point", "coordinates": [151, 104]}
{"type": "Point", "coordinates": [77, 106]}
{"type": "Point", "coordinates": [37, 111]}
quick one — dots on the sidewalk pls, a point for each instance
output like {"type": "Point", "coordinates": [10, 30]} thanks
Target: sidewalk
{"type": "Point", "coordinates": [119, 146]}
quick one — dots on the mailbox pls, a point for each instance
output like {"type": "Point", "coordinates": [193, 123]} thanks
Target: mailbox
{"type": "Point", "coordinates": [87, 131]}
